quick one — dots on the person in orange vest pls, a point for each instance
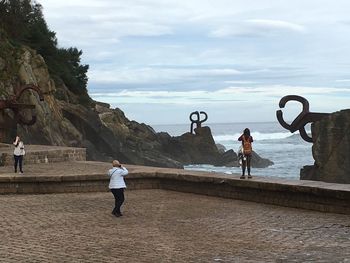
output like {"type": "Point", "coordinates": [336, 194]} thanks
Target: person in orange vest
{"type": "Point", "coordinates": [246, 140]}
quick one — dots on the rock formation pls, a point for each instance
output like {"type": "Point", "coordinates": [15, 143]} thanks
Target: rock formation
{"type": "Point", "coordinates": [331, 149]}
{"type": "Point", "coordinates": [106, 133]}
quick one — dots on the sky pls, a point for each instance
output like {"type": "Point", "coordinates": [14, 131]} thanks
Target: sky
{"type": "Point", "coordinates": [160, 60]}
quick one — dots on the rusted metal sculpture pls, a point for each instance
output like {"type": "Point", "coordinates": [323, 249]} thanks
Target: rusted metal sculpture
{"type": "Point", "coordinates": [197, 121]}
{"type": "Point", "coordinates": [302, 119]}
{"type": "Point", "coordinates": [12, 103]}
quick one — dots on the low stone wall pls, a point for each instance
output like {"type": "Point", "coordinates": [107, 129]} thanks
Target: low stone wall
{"type": "Point", "coordinates": [69, 184]}
{"type": "Point", "coordinates": [43, 154]}
{"type": "Point", "coordinates": [299, 194]}
{"type": "Point", "coordinates": [311, 198]}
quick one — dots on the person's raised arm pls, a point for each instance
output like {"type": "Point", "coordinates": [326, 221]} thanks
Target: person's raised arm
{"type": "Point", "coordinates": [124, 171]}
{"type": "Point", "coordinates": [16, 141]}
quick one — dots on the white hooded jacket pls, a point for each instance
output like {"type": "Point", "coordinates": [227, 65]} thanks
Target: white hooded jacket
{"type": "Point", "coordinates": [117, 177]}
{"type": "Point", "coordinates": [19, 149]}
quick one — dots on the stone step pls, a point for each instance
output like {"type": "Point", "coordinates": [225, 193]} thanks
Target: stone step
{"type": "Point", "coordinates": [42, 154]}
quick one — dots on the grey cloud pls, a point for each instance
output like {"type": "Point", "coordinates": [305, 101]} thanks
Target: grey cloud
{"type": "Point", "coordinates": [166, 45]}
{"type": "Point", "coordinates": [257, 28]}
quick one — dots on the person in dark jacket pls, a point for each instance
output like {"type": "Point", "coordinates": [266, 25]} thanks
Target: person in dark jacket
{"type": "Point", "coordinates": [246, 140]}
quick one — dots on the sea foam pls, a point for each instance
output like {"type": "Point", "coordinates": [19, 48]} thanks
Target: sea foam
{"type": "Point", "coordinates": [257, 136]}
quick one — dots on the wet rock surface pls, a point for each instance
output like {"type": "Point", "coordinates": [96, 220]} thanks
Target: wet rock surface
{"type": "Point", "coordinates": [331, 149]}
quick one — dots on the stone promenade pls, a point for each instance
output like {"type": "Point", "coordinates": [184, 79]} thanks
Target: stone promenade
{"type": "Point", "coordinates": [165, 226]}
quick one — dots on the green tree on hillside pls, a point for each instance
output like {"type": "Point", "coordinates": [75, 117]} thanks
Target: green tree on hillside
{"type": "Point", "coordinates": [24, 23]}
{"type": "Point", "coordinates": [71, 58]}
{"type": "Point", "coordinates": [14, 17]}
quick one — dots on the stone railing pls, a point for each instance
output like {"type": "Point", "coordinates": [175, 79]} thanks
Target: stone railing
{"type": "Point", "coordinates": [43, 154]}
{"type": "Point", "coordinates": [311, 195]}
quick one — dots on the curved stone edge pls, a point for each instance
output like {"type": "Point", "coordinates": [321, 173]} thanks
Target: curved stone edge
{"type": "Point", "coordinates": [299, 194]}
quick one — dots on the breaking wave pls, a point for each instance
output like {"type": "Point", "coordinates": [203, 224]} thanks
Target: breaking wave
{"type": "Point", "coordinates": [257, 136]}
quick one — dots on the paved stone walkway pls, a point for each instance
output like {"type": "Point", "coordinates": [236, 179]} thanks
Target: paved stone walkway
{"type": "Point", "coordinates": [165, 226]}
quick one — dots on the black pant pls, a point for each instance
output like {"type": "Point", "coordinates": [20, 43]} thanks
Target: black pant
{"type": "Point", "coordinates": [18, 160]}
{"type": "Point", "coordinates": [119, 199]}
{"type": "Point", "coordinates": [246, 163]}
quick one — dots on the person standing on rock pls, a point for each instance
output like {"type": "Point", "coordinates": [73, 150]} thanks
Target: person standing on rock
{"type": "Point", "coordinates": [246, 140]}
{"type": "Point", "coordinates": [18, 153]}
{"type": "Point", "coordinates": [117, 185]}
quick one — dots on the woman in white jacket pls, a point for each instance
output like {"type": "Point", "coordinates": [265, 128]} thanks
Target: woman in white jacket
{"type": "Point", "coordinates": [117, 185]}
{"type": "Point", "coordinates": [18, 153]}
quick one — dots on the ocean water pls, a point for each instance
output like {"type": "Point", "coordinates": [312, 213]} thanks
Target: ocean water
{"type": "Point", "coordinates": [288, 151]}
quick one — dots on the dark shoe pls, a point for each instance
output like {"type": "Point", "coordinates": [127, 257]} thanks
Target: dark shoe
{"type": "Point", "coordinates": [15, 171]}
{"type": "Point", "coordinates": [242, 177]}
{"type": "Point", "coordinates": [118, 214]}
{"type": "Point", "coordinates": [250, 177]}
{"type": "Point", "coordinates": [21, 172]}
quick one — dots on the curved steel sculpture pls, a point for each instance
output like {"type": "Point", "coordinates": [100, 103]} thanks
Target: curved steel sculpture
{"type": "Point", "coordinates": [13, 104]}
{"type": "Point", "coordinates": [197, 121]}
{"type": "Point", "coordinates": [302, 119]}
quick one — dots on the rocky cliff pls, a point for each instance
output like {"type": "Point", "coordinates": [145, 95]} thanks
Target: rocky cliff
{"type": "Point", "coordinates": [106, 133]}
{"type": "Point", "coordinates": [330, 150]}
